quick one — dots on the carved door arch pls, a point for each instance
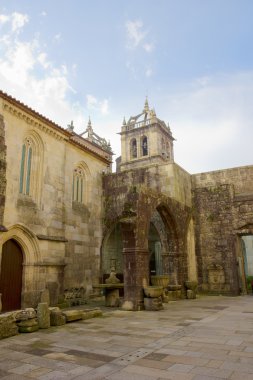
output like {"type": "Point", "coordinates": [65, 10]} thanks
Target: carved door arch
{"type": "Point", "coordinates": [11, 275]}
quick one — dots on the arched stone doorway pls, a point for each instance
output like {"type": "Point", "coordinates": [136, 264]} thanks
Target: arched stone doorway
{"type": "Point", "coordinates": [171, 244]}
{"type": "Point", "coordinates": [33, 278]}
{"type": "Point", "coordinates": [11, 275]}
{"type": "Point", "coordinates": [155, 251]}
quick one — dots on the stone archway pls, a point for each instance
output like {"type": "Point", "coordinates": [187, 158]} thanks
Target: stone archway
{"type": "Point", "coordinates": [111, 253]}
{"type": "Point", "coordinates": [31, 276]}
{"type": "Point", "coordinates": [241, 274]}
{"type": "Point", "coordinates": [11, 275]}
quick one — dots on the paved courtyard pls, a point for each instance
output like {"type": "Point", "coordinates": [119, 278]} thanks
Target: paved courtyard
{"type": "Point", "coordinates": [206, 338]}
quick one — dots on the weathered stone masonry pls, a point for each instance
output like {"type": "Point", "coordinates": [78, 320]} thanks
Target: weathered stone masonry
{"type": "Point", "coordinates": [131, 201]}
{"type": "Point", "coordinates": [223, 208]}
{"type": "Point", "coordinates": [2, 169]}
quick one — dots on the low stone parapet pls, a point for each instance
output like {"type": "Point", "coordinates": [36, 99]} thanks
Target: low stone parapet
{"type": "Point", "coordinates": [73, 315]}
{"type": "Point", "coordinates": [92, 313]}
{"type": "Point", "coordinates": [30, 320]}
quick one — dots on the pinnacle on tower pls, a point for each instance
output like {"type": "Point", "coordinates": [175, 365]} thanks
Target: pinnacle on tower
{"type": "Point", "coordinates": [70, 126]}
{"type": "Point", "coordinates": [146, 106]}
{"type": "Point", "coordinates": [124, 122]}
{"type": "Point", "coordinates": [89, 123]}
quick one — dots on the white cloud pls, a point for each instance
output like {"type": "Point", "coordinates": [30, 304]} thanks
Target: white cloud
{"type": "Point", "coordinates": [148, 47]}
{"type": "Point", "coordinates": [4, 19]}
{"type": "Point", "coordinates": [57, 37]}
{"type": "Point", "coordinates": [18, 20]}
{"type": "Point", "coordinates": [104, 106]}
{"type": "Point", "coordinates": [42, 59]}
{"type": "Point", "coordinates": [148, 72]}
{"type": "Point", "coordinates": [212, 122]}
{"type": "Point", "coordinates": [91, 101]}
{"type": "Point", "coordinates": [94, 104]}
{"type": "Point", "coordinates": [135, 32]}
{"type": "Point", "coordinates": [46, 90]}
{"type": "Point", "coordinates": [137, 36]}
{"type": "Point", "coordinates": [43, 13]}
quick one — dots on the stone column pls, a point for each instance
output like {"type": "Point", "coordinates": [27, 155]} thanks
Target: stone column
{"type": "Point", "coordinates": [43, 315]}
{"type": "Point", "coordinates": [136, 267]}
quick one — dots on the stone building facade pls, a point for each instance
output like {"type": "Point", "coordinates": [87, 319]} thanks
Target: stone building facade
{"type": "Point", "coordinates": [50, 205]}
{"type": "Point", "coordinates": [159, 219]}
{"type": "Point", "coordinates": [66, 220]}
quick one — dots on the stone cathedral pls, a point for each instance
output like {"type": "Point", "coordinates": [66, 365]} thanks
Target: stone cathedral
{"type": "Point", "coordinates": [66, 220]}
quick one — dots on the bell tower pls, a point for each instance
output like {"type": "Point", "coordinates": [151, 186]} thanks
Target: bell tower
{"type": "Point", "coordinates": [145, 140]}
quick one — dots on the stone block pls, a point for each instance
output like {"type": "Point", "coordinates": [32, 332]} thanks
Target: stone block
{"type": "Point", "coordinates": [87, 314]}
{"type": "Point", "coordinates": [57, 318]}
{"type": "Point", "coordinates": [73, 315]}
{"type": "Point", "coordinates": [172, 295]}
{"type": "Point", "coordinates": [153, 304]}
{"type": "Point", "coordinates": [23, 315]}
{"type": "Point", "coordinates": [45, 296]}
{"type": "Point", "coordinates": [43, 315]}
{"type": "Point", "coordinates": [165, 298]}
{"type": "Point", "coordinates": [191, 294]}
{"type": "Point", "coordinates": [28, 329]}
{"type": "Point", "coordinates": [112, 297]}
{"type": "Point", "coordinates": [8, 325]}
{"type": "Point", "coordinates": [28, 323]}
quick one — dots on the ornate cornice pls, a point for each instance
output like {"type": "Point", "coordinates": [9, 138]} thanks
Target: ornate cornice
{"type": "Point", "coordinates": [49, 129]}
{"type": "Point", "coordinates": [39, 121]}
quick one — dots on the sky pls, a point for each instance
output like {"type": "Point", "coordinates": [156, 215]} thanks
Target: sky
{"type": "Point", "coordinates": [193, 59]}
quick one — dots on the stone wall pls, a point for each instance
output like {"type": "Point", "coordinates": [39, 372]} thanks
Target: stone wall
{"type": "Point", "coordinates": [136, 198]}
{"type": "Point", "coordinates": [60, 239]}
{"type": "Point", "coordinates": [223, 209]}
{"type": "Point", "coordinates": [2, 169]}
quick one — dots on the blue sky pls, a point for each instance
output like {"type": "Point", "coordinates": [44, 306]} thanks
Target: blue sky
{"type": "Point", "coordinates": [193, 58]}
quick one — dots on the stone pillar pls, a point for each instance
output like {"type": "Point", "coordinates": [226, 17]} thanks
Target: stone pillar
{"type": "Point", "coordinates": [43, 315]}
{"type": "Point", "coordinates": [136, 268]}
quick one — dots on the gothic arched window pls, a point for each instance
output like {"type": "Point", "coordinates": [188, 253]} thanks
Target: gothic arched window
{"type": "Point", "coordinates": [79, 184]}
{"type": "Point", "coordinates": [163, 145]}
{"type": "Point", "coordinates": [31, 166]}
{"type": "Point", "coordinates": [168, 150]}
{"type": "Point", "coordinates": [25, 168]}
{"type": "Point", "coordinates": [144, 146]}
{"type": "Point", "coordinates": [133, 148]}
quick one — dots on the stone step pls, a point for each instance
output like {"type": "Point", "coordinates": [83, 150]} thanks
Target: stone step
{"type": "Point", "coordinates": [73, 315]}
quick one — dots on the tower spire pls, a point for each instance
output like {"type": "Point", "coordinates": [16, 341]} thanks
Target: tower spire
{"type": "Point", "coordinates": [146, 106]}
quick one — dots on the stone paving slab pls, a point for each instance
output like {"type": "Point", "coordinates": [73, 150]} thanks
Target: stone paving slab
{"type": "Point", "coordinates": [204, 339]}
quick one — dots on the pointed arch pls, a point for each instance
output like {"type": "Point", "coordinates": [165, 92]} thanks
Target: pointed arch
{"type": "Point", "coordinates": [27, 241]}
{"type": "Point", "coordinates": [80, 187]}
{"type": "Point", "coordinates": [144, 145]}
{"type": "Point", "coordinates": [112, 250]}
{"type": "Point", "coordinates": [133, 148]}
{"type": "Point", "coordinates": [31, 166]}
{"type": "Point", "coordinates": [31, 261]}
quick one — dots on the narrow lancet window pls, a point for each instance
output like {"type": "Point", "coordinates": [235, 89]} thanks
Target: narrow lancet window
{"type": "Point", "coordinates": [144, 146]}
{"type": "Point", "coordinates": [78, 185]}
{"type": "Point", "coordinates": [25, 168]}
{"type": "Point", "coordinates": [133, 148]}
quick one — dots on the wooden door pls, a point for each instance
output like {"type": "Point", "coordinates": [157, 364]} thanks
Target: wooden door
{"type": "Point", "coordinates": [11, 276]}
